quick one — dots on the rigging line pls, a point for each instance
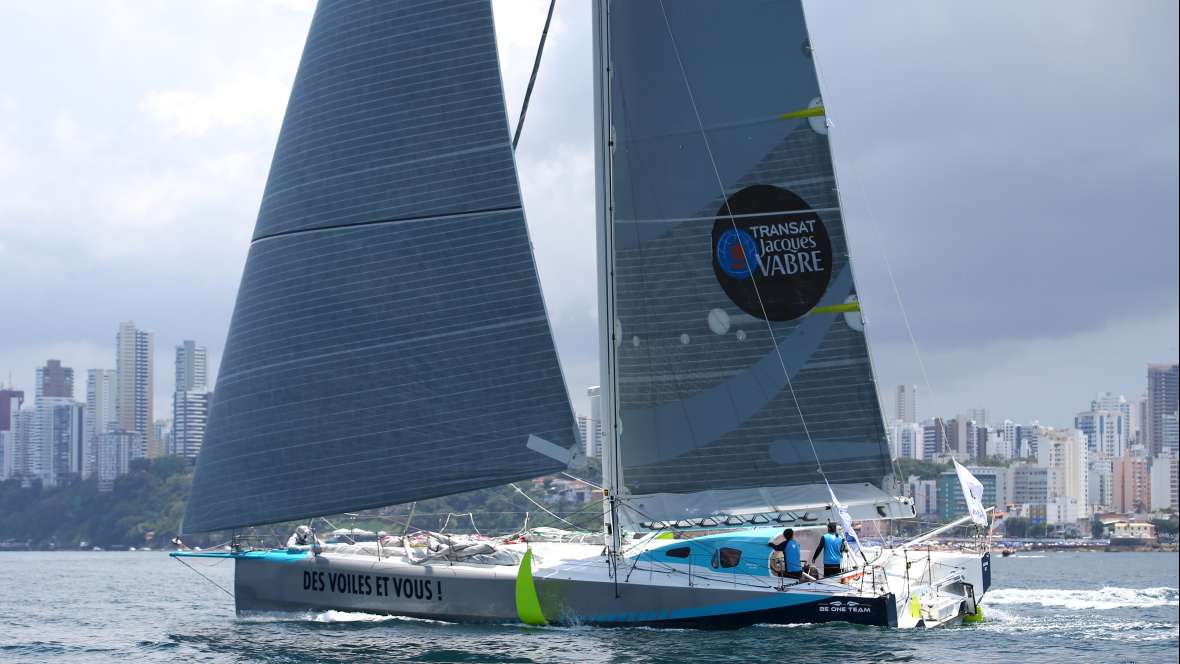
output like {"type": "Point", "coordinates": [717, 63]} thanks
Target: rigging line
{"type": "Point", "coordinates": [217, 585]}
{"type": "Point", "coordinates": [542, 507]}
{"type": "Point", "coordinates": [749, 266]}
{"type": "Point", "coordinates": [592, 485]}
{"type": "Point", "coordinates": [528, 93]}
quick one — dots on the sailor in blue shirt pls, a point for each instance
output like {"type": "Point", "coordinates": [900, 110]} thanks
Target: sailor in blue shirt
{"type": "Point", "coordinates": [833, 548]}
{"type": "Point", "coordinates": [791, 554]}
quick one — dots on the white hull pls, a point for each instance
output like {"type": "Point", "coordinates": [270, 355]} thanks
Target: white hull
{"type": "Point", "coordinates": [574, 585]}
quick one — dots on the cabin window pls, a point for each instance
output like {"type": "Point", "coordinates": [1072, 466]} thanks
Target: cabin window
{"type": "Point", "coordinates": [678, 552]}
{"type": "Point", "coordinates": [726, 557]}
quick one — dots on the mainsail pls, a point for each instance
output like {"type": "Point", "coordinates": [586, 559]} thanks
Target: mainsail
{"type": "Point", "coordinates": [389, 342]}
{"type": "Point", "coordinates": [737, 367]}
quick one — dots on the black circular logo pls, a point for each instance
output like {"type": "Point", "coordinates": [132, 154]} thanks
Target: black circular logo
{"type": "Point", "coordinates": [771, 253]}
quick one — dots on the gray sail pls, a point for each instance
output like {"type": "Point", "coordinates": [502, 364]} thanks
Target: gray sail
{"type": "Point", "coordinates": [389, 342]}
{"type": "Point", "coordinates": [739, 359]}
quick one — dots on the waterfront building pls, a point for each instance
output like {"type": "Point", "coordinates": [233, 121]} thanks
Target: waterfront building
{"type": "Point", "coordinates": [100, 415]}
{"type": "Point", "coordinates": [1164, 482]}
{"type": "Point", "coordinates": [905, 403]}
{"type": "Point", "coordinates": [134, 381]}
{"type": "Point", "coordinates": [1101, 478]}
{"type": "Point", "coordinates": [1162, 399]}
{"type": "Point", "coordinates": [1030, 484]}
{"type": "Point", "coordinates": [951, 504]}
{"type": "Point", "coordinates": [1132, 484]}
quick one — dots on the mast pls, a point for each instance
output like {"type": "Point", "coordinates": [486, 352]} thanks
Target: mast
{"type": "Point", "coordinates": [604, 199]}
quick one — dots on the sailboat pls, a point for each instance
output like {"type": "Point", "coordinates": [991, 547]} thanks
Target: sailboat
{"type": "Point", "coordinates": [390, 342]}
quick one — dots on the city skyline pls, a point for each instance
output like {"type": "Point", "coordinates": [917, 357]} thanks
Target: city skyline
{"type": "Point", "coordinates": [156, 180]}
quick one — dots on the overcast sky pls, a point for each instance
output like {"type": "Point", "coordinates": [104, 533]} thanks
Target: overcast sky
{"type": "Point", "coordinates": [1015, 163]}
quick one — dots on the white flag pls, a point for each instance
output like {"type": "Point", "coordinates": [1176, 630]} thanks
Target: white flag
{"type": "Point", "coordinates": [972, 493]}
{"type": "Point", "coordinates": [845, 523]}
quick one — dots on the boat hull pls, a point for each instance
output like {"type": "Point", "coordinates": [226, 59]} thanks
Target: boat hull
{"type": "Point", "coordinates": [278, 581]}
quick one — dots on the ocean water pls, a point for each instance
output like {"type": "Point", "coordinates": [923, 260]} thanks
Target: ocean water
{"type": "Point", "coordinates": [100, 607]}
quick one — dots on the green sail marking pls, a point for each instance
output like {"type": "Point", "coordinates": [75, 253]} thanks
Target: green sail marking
{"type": "Point", "coordinates": [528, 607]}
{"type": "Point", "coordinates": [844, 308]}
{"type": "Point", "coordinates": [813, 112]}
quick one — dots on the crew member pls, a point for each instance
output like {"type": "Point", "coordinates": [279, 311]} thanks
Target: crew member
{"type": "Point", "coordinates": [301, 537]}
{"type": "Point", "coordinates": [833, 548]}
{"type": "Point", "coordinates": [791, 554]}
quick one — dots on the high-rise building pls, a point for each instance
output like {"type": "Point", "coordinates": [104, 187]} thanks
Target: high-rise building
{"type": "Point", "coordinates": [190, 367]}
{"type": "Point", "coordinates": [23, 426]}
{"type": "Point", "coordinates": [905, 403]}
{"type": "Point", "coordinates": [101, 389]}
{"type": "Point", "coordinates": [1170, 439]}
{"type": "Point", "coordinates": [1028, 439]}
{"type": "Point", "coordinates": [1132, 484]}
{"type": "Point", "coordinates": [116, 449]}
{"type": "Point", "coordinates": [963, 438]}
{"type": "Point", "coordinates": [1107, 431]}
{"type": "Point", "coordinates": [1116, 403]}
{"type": "Point", "coordinates": [1010, 431]}
{"type": "Point", "coordinates": [133, 375]}
{"type": "Point", "coordinates": [594, 441]}
{"type": "Point", "coordinates": [934, 439]}
{"type": "Point", "coordinates": [1030, 484]}
{"type": "Point", "coordinates": [190, 412]}
{"type": "Point", "coordinates": [1164, 482]}
{"type": "Point", "coordinates": [906, 440]}
{"type": "Point", "coordinates": [54, 380]}
{"type": "Point", "coordinates": [1064, 450]}
{"type": "Point", "coordinates": [1101, 489]}
{"type": "Point", "coordinates": [951, 503]}
{"type": "Point", "coordinates": [56, 455]}
{"type": "Point", "coordinates": [190, 402]}
{"type": "Point", "coordinates": [979, 415]}
{"type": "Point", "coordinates": [10, 404]}
{"type": "Point", "coordinates": [925, 496]}
{"type": "Point", "coordinates": [1162, 399]}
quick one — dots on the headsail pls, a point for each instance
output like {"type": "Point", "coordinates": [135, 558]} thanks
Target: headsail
{"type": "Point", "coordinates": [389, 341]}
{"type": "Point", "coordinates": [739, 358]}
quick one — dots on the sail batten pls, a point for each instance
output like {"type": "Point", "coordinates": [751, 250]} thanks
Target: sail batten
{"type": "Point", "coordinates": [389, 342]}
{"type": "Point", "coordinates": [738, 363]}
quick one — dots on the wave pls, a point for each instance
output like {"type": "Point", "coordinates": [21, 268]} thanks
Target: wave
{"type": "Point", "coordinates": [1104, 599]}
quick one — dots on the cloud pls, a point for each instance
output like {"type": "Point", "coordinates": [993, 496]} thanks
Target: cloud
{"type": "Point", "coordinates": [247, 101]}
{"type": "Point", "coordinates": [1015, 163]}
